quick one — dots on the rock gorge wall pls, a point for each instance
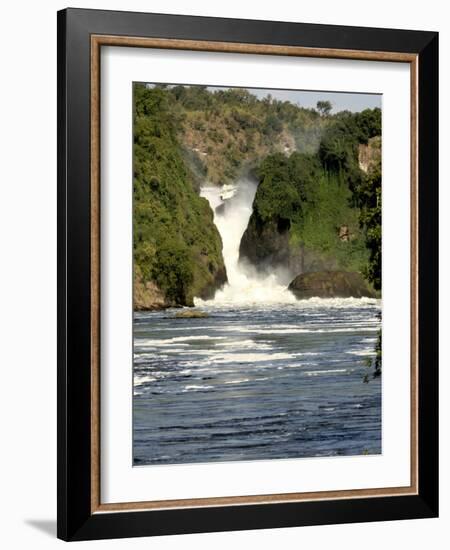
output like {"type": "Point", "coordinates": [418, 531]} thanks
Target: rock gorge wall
{"type": "Point", "coordinates": [317, 207]}
{"type": "Point", "coordinates": [313, 212]}
{"type": "Point", "coordinates": [177, 248]}
{"type": "Point", "coordinates": [227, 133]}
{"type": "Point", "coordinates": [369, 155]}
{"type": "Point", "coordinates": [320, 232]}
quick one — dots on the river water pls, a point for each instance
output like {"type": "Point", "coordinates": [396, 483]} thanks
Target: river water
{"type": "Point", "coordinates": [264, 376]}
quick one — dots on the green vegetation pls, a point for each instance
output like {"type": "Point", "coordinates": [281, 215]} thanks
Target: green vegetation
{"type": "Point", "coordinates": [312, 208]}
{"type": "Point", "coordinates": [341, 151]}
{"type": "Point", "coordinates": [324, 107]}
{"type": "Point", "coordinates": [374, 363]}
{"type": "Point", "coordinates": [339, 148]}
{"type": "Point", "coordinates": [176, 244]}
{"type": "Point", "coordinates": [229, 132]}
{"type": "Point", "coordinates": [320, 208]}
{"type": "Point", "coordinates": [330, 226]}
{"type": "Point", "coordinates": [368, 197]}
{"type": "Point", "coordinates": [317, 206]}
{"type": "Point", "coordinates": [322, 211]}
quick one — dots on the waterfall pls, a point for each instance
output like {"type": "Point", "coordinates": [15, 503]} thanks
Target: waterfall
{"type": "Point", "coordinates": [232, 207]}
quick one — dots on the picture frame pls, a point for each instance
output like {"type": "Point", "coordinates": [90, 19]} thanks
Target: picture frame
{"type": "Point", "coordinates": [81, 36]}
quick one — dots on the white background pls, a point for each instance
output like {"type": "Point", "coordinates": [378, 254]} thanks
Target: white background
{"type": "Point", "coordinates": [28, 275]}
{"type": "Point", "coordinates": [120, 482]}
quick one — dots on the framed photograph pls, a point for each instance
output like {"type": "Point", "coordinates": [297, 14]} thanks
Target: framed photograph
{"type": "Point", "coordinates": [247, 253]}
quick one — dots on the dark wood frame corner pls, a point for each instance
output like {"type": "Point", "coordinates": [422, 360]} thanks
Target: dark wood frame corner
{"type": "Point", "coordinates": [81, 34]}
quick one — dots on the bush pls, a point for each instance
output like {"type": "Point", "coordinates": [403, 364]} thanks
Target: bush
{"type": "Point", "coordinates": [175, 240]}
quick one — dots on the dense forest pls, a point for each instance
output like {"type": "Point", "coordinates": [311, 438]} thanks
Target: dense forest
{"type": "Point", "coordinates": [177, 248]}
{"type": "Point", "coordinates": [317, 206]}
{"type": "Point", "coordinates": [322, 211]}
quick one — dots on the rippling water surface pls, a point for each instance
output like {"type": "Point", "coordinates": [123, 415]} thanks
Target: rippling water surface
{"type": "Point", "coordinates": [256, 382]}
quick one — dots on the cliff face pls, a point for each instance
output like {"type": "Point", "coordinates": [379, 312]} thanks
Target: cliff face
{"type": "Point", "coordinates": [368, 196]}
{"type": "Point", "coordinates": [302, 221]}
{"type": "Point", "coordinates": [369, 155]}
{"type": "Point", "coordinates": [315, 208]}
{"type": "Point", "coordinates": [228, 132]}
{"type": "Point", "coordinates": [271, 246]}
{"type": "Point", "coordinates": [148, 296]}
{"type": "Point", "coordinates": [177, 248]}
{"type": "Point", "coordinates": [311, 211]}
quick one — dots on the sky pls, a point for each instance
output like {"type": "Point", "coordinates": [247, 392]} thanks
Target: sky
{"type": "Point", "coordinates": [341, 101]}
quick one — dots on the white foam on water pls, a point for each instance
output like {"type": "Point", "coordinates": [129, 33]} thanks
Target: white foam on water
{"type": "Point", "coordinates": [214, 358]}
{"type": "Point", "coordinates": [294, 330]}
{"type": "Point", "coordinates": [196, 387]}
{"type": "Point", "coordinates": [239, 381]}
{"type": "Point", "coordinates": [340, 303]}
{"type": "Point", "coordinates": [243, 286]}
{"type": "Point", "coordinates": [328, 371]}
{"type": "Point", "coordinates": [183, 328]}
{"type": "Point", "coordinates": [140, 380]}
{"type": "Point", "coordinates": [249, 357]}
{"type": "Point", "coordinates": [206, 370]}
{"type": "Point", "coordinates": [245, 344]}
{"type": "Point", "coordinates": [298, 365]}
{"type": "Point", "coordinates": [366, 352]}
{"type": "Point", "coordinates": [175, 350]}
{"type": "Point", "coordinates": [179, 340]}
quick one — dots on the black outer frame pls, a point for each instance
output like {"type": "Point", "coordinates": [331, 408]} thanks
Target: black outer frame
{"type": "Point", "coordinates": [75, 521]}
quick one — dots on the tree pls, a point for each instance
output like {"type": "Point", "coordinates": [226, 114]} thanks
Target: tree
{"type": "Point", "coordinates": [369, 200]}
{"type": "Point", "coordinates": [324, 107]}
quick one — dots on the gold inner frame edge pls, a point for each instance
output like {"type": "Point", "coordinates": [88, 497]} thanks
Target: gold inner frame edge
{"type": "Point", "coordinates": [97, 41]}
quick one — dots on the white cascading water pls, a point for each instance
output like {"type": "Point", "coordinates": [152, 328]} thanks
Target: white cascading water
{"type": "Point", "coordinates": [244, 287]}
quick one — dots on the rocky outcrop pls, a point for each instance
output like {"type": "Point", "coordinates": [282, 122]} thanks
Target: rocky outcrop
{"type": "Point", "coordinates": [268, 247]}
{"type": "Point", "coordinates": [148, 297]}
{"type": "Point", "coordinates": [330, 284]}
{"type": "Point", "coordinates": [191, 314]}
{"type": "Point", "coordinates": [303, 220]}
{"type": "Point", "coordinates": [369, 155]}
{"type": "Point", "coordinates": [177, 248]}
{"type": "Point", "coordinates": [214, 280]}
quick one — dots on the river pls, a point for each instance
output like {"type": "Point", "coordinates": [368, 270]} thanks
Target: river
{"type": "Point", "coordinates": [264, 376]}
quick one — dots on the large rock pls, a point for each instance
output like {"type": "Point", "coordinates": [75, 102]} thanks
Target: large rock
{"type": "Point", "coordinates": [330, 284]}
{"type": "Point", "coordinates": [207, 286]}
{"type": "Point", "coordinates": [148, 296]}
{"type": "Point", "coordinates": [268, 247]}
{"type": "Point", "coordinates": [176, 246]}
{"type": "Point", "coordinates": [303, 220]}
{"type": "Point", "coordinates": [191, 314]}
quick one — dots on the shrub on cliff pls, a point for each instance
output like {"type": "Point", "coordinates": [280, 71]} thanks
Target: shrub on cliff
{"type": "Point", "coordinates": [368, 197]}
{"type": "Point", "coordinates": [319, 208]}
{"type": "Point", "coordinates": [176, 244]}
{"type": "Point", "coordinates": [301, 206]}
{"type": "Point", "coordinates": [338, 150]}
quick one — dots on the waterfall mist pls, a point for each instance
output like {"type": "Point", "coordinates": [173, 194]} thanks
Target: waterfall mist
{"type": "Point", "coordinates": [232, 207]}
